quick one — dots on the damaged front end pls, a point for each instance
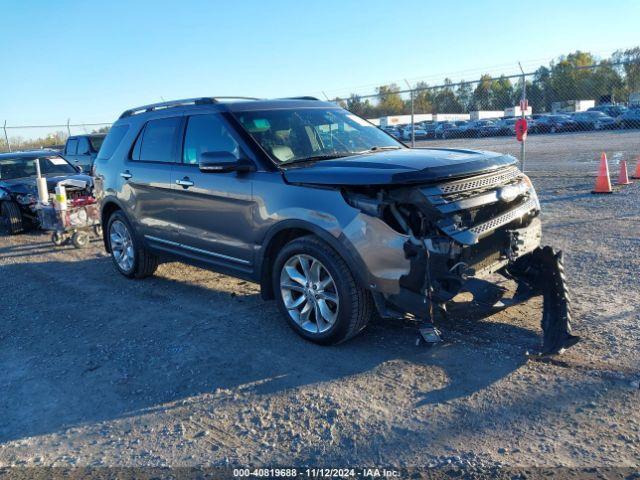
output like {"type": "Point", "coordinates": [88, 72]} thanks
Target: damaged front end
{"type": "Point", "coordinates": [453, 236]}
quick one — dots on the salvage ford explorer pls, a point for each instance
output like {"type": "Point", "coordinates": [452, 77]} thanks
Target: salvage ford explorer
{"type": "Point", "coordinates": [332, 216]}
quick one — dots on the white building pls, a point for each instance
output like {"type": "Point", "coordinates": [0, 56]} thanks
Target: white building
{"type": "Point", "coordinates": [395, 120]}
{"type": "Point", "coordinates": [480, 114]}
{"type": "Point", "coordinates": [517, 111]}
{"type": "Point", "coordinates": [570, 106]}
{"type": "Point", "coordinates": [450, 117]}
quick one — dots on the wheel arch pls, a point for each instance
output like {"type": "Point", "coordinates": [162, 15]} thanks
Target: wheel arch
{"type": "Point", "coordinates": [109, 207]}
{"type": "Point", "coordinates": [284, 232]}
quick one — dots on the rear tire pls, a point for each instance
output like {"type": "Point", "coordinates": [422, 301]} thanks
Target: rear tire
{"type": "Point", "coordinates": [140, 262]}
{"type": "Point", "coordinates": [354, 305]}
{"type": "Point", "coordinates": [11, 218]}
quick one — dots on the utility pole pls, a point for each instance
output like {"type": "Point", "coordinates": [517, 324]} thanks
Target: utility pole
{"type": "Point", "coordinates": [413, 126]}
{"type": "Point", "coordinates": [523, 108]}
{"type": "Point", "coordinates": [68, 127]}
{"type": "Point", "coordinates": [6, 137]}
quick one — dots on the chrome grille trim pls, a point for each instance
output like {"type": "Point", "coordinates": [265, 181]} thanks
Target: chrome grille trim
{"type": "Point", "coordinates": [479, 182]}
{"type": "Point", "coordinates": [473, 234]}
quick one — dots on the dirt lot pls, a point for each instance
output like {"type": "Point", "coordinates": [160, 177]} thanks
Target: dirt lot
{"type": "Point", "coordinates": [193, 368]}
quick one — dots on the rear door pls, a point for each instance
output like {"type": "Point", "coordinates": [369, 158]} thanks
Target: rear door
{"type": "Point", "coordinates": [215, 209]}
{"type": "Point", "coordinates": [147, 177]}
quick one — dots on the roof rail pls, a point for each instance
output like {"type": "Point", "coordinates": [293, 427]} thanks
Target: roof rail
{"type": "Point", "coordinates": [179, 103]}
{"type": "Point", "coordinates": [301, 98]}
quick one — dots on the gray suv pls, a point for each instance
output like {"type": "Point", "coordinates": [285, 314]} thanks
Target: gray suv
{"type": "Point", "coordinates": [334, 218]}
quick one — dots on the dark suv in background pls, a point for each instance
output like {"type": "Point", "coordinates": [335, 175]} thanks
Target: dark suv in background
{"type": "Point", "coordinates": [81, 150]}
{"type": "Point", "coordinates": [330, 215]}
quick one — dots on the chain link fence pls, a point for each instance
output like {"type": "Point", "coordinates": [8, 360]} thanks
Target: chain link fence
{"type": "Point", "coordinates": [574, 93]}
{"type": "Point", "coordinates": [27, 137]}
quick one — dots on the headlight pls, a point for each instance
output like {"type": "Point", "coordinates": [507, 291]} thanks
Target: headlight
{"type": "Point", "coordinates": [532, 190]}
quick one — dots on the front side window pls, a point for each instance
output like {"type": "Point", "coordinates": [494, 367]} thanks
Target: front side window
{"type": "Point", "coordinates": [72, 144]}
{"type": "Point", "coordinates": [207, 133]}
{"type": "Point", "coordinates": [291, 135]}
{"type": "Point", "coordinates": [157, 142]}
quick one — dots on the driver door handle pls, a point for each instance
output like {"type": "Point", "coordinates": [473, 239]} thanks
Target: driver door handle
{"type": "Point", "coordinates": [126, 175]}
{"type": "Point", "coordinates": [185, 182]}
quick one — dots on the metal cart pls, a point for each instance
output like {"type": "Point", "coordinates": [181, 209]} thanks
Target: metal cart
{"type": "Point", "coordinates": [76, 224]}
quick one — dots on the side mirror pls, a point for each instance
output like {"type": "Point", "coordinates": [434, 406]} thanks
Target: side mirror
{"type": "Point", "coordinates": [223, 162]}
{"type": "Point", "coordinates": [79, 168]}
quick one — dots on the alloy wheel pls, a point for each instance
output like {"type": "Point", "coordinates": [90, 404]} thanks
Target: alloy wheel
{"type": "Point", "coordinates": [309, 293]}
{"type": "Point", "coordinates": [121, 245]}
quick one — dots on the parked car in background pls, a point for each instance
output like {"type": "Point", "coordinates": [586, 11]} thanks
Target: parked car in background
{"type": "Point", "coordinates": [81, 150]}
{"type": "Point", "coordinates": [446, 130]}
{"type": "Point", "coordinates": [610, 110]}
{"type": "Point", "coordinates": [594, 120]}
{"type": "Point", "coordinates": [430, 129]}
{"type": "Point", "coordinates": [630, 118]}
{"type": "Point", "coordinates": [479, 128]}
{"type": "Point", "coordinates": [392, 130]}
{"type": "Point", "coordinates": [419, 133]}
{"type": "Point", "coordinates": [507, 126]}
{"type": "Point", "coordinates": [555, 123]}
{"type": "Point", "coordinates": [18, 190]}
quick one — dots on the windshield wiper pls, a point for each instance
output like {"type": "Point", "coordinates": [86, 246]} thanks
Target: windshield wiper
{"type": "Point", "coordinates": [316, 158]}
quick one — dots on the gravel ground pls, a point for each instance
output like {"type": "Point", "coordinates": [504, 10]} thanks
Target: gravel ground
{"type": "Point", "coordinates": [193, 368]}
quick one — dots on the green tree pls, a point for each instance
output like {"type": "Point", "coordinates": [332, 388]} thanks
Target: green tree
{"type": "Point", "coordinates": [481, 98]}
{"type": "Point", "coordinates": [631, 68]}
{"type": "Point", "coordinates": [423, 98]}
{"type": "Point", "coordinates": [445, 99]}
{"type": "Point", "coordinates": [501, 93]}
{"type": "Point", "coordinates": [389, 100]}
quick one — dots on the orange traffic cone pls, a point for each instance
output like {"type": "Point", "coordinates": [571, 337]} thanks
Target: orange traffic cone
{"type": "Point", "coordinates": [636, 175]}
{"type": "Point", "coordinates": [603, 182]}
{"type": "Point", "coordinates": [623, 179]}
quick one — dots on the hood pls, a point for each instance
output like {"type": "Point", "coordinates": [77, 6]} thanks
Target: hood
{"type": "Point", "coordinates": [395, 167]}
{"type": "Point", "coordinates": [22, 186]}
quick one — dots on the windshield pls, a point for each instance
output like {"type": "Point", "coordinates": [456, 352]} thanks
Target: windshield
{"type": "Point", "coordinates": [20, 167]}
{"type": "Point", "coordinates": [291, 135]}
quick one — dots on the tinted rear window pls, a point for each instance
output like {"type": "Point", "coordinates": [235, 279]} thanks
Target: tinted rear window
{"type": "Point", "coordinates": [158, 141]}
{"type": "Point", "coordinates": [112, 141]}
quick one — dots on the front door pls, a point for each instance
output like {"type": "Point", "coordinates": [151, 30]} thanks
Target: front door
{"type": "Point", "coordinates": [214, 209]}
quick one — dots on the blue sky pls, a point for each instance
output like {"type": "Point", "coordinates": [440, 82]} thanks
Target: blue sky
{"type": "Point", "coordinates": [89, 60]}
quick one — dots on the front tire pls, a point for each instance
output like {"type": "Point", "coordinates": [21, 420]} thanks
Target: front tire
{"type": "Point", "coordinates": [11, 218]}
{"type": "Point", "coordinates": [129, 256]}
{"type": "Point", "coordinates": [318, 294]}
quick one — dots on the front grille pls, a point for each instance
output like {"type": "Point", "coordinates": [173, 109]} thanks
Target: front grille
{"type": "Point", "coordinates": [474, 207]}
{"type": "Point", "coordinates": [480, 183]}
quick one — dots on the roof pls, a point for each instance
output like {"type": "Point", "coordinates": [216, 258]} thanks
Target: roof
{"type": "Point", "coordinates": [31, 154]}
{"type": "Point", "coordinates": [234, 104]}
{"type": "Point", "coordinates": [96, 134]}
